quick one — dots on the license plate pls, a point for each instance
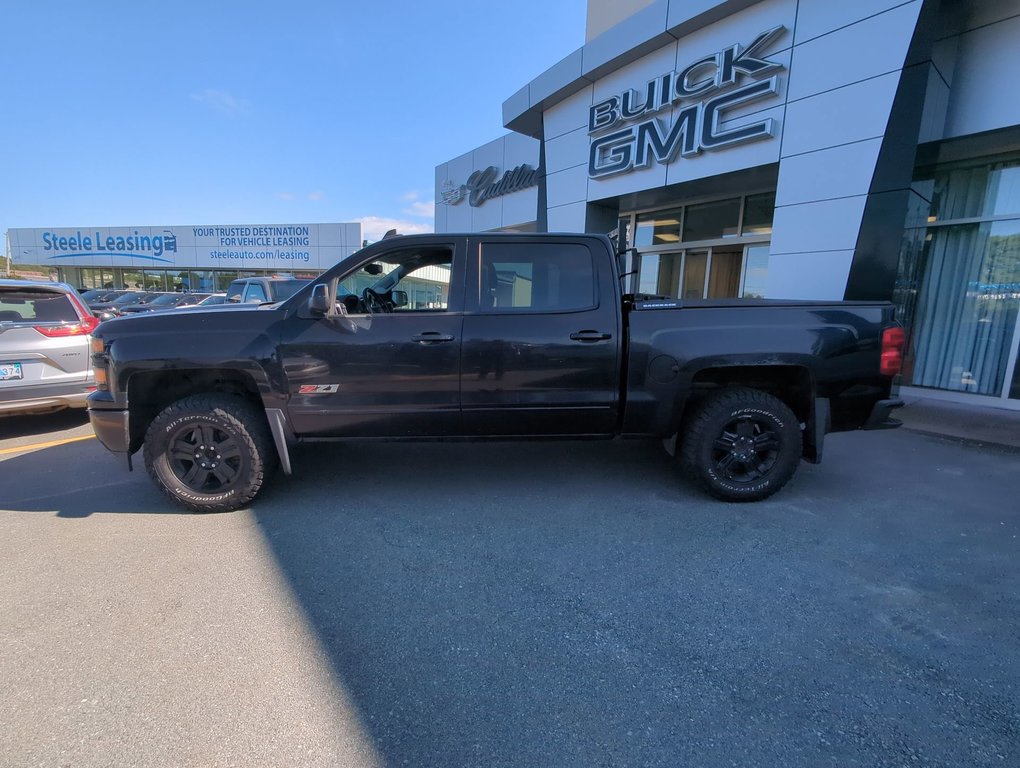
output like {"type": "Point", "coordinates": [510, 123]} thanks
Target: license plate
{"type": "Point", "coordinates": [9, 371]}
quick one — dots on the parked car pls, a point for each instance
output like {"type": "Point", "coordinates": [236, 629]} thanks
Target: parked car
{"type": "Point", "coordinates": [100, 298]}
{"type": "Point", "coordinates": [129, 301]}
{"type": "Point", "coordinates": [117, 299]}
{"type": "Point", "coordinates": [98, 294]}
{"type": "Point", "coordinates": [44, 347]}
{"type": "Point", "coordinates": [257, 290]}
{"type": "Point", "coordinates": [484, 336]}
{"type": "Point", "coordinates": [164, 302]}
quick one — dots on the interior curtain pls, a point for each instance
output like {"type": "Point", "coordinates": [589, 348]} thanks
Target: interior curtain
{"type": "Point", "coordinates": [965, 317]}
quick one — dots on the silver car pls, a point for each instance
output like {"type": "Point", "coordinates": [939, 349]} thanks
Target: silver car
{"type": "Point", "coordinates": [45, 363]}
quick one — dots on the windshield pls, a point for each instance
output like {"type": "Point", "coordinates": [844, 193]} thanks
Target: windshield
{"type": "Point", "coordinates": [129, 298]}
{"type": "Point", "coordinates": [167, 299]}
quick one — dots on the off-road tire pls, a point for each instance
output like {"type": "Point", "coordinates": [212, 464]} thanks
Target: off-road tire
{"type": "Point", "coordinates": [741, 445]}
{"type": "Point", "coordinates": [187, 446]}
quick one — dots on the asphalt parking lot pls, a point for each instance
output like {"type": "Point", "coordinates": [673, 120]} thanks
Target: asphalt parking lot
{"type": "Point", "coordinates": [538, 604]}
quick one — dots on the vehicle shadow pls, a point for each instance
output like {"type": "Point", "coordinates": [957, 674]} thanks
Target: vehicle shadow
{"type": "Point", "coordinates": [42, 423]}
{"type": "Point", "coordinates": [77, 480]}
{"type": "Point", "coordinates": [511, 604]}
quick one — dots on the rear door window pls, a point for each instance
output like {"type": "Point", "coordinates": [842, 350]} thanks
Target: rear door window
{"type": "Point", "coordinates": [539, 277]}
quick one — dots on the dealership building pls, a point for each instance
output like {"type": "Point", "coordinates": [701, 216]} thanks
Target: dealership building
{"type": "Point", "coordinates": [204, 257]}
{"type": "Point", "coordinates": [789, 149]}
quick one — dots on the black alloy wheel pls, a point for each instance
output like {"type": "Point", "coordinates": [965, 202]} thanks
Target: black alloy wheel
{"type": "Point", "coordinates": [741, 444]}
{"type": "Point", "coordinates": [205, 458]}
{"type": "Point", "coordinates": [210, 452]}
{"type": "Point", "coordinates": [747, 449]}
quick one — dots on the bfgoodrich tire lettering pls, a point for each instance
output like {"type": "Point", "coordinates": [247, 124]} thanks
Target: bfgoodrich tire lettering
{"type": "Point", "coordinates": [209, 453]}
{"type": "Point", "coordinates": [742, 445]}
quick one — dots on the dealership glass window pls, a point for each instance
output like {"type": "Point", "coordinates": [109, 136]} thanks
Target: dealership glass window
{"type": "Point", "coordinates": [965, 312]}
{"type": "Point", "coordinates": [716, 273]}
{"type": "Point", "coordinates": [695, 265]}
{"type": "Point", "coordinates": [711, 221]}
{"type": "Point", "coordinates": [203, 281]}
{"type": "Point", "coordinates": [724, 276]}
{"type": "Point", "coordinates": [728, 259]}
{"type": "Point", "coordinates": [659, 228]}
{"type": "Point", "coordinates": [958, 288]}
{"type": "Point", "coordinates": [758, 213]}
{"type": "Point", "coordinates": [715, 220]}
{"type": "Point", "coordinates": [660, 274]}
{"type": "Point", "coordinates": [155, 280]}
{"type": "Point", "coordinates": [756, 270]}
{"type": "Point", "coordinates": [981, 191]}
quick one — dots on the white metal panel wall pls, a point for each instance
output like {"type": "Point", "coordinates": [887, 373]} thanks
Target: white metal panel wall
{"type": "Point", "coordinates": [839, 104]}
{"type": "Point", "coordinates": [984, 80]}
{"type": "Point", "coordinates": [514, 209]}
{"type": "Point", "coordinates": [566, 159]}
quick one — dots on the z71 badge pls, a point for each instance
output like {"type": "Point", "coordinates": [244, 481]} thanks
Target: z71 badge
{"type": "Point", "coordinates": [318, 389]}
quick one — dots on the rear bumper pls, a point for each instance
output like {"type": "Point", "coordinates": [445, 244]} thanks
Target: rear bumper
{"type": "Point", "coordinates": [48, 397]}
{"type": "Point", "coordinates": [111, 427]}
{"type": "Point", "coordinates": [880, 418]}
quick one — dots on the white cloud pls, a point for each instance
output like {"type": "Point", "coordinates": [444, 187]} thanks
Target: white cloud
{"type": "Point", "coordinates": [421, 208]}
{"type": "Point", "coordinates": [374, 227]}
{"type": "Point", "coordinates": [285, 195]}
{"type": "Point", "coordinates": [316, 195]}
{"type": "Point", "coordinates": [418, 207]}
{"type": "Point", "coordinates": [222, 101]}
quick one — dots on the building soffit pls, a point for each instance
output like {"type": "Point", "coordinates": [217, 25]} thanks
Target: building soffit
{"type": "Point", "coordinates": [647, 30]}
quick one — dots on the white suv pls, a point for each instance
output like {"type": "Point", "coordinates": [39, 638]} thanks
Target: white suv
{"type": "Point", "coordinates": [45, 362]}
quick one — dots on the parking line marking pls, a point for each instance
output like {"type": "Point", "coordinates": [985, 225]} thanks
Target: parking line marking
{"type": "Point", "coordinates": [51, 444]}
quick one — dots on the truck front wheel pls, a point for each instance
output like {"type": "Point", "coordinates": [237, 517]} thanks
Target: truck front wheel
{"type": "Point", "coordinates": [209, 453]}
{"type": "Point", "coordinates": [742, 445]}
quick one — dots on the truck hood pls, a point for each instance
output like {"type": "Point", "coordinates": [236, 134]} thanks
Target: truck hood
{"type": "Point", "coordinates": [204, 320]}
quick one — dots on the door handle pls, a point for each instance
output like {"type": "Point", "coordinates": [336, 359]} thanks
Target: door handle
{"type": "Point", "coordinates": [590, 336]}
{"type": "Point", "coordinates": [431, 337]}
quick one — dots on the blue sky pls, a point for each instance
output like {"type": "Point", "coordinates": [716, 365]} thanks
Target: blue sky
{"type": "Point", "coordinates": [129, 113]}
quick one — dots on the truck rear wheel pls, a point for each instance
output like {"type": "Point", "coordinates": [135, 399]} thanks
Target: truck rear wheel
{"type": "Point", "coordinates": [742, 445]}
{"type": "Point", "coordinates": [209, 453]}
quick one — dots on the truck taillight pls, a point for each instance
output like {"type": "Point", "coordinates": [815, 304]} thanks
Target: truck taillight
{"type": "Point", "coordinates": [891, 360]}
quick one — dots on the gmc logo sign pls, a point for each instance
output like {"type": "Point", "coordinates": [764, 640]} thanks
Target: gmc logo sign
{"type": "Point", "coordinates": [718, 82]}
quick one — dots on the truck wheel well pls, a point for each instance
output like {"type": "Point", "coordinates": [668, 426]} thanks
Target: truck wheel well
{"type": "Point", "coordinates": [790, 383]}
{"type": "Point", "coordinates": [151, 392]}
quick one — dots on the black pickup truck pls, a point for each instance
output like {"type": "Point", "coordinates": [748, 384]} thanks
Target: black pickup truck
{"type": "Point", "coordinates": [489, 336]}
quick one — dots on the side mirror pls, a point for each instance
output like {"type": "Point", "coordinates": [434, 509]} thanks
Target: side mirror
{"type": "Point", "coordinates": [398, 298]}
{"type": "Point", "coordinates": [319, 302]}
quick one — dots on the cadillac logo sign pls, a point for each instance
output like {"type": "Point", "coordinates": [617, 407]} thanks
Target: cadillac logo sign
{"type": "Point", "coordinates": [487, 184]}
{"type": "Point", "coordinates": [702, 94]}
